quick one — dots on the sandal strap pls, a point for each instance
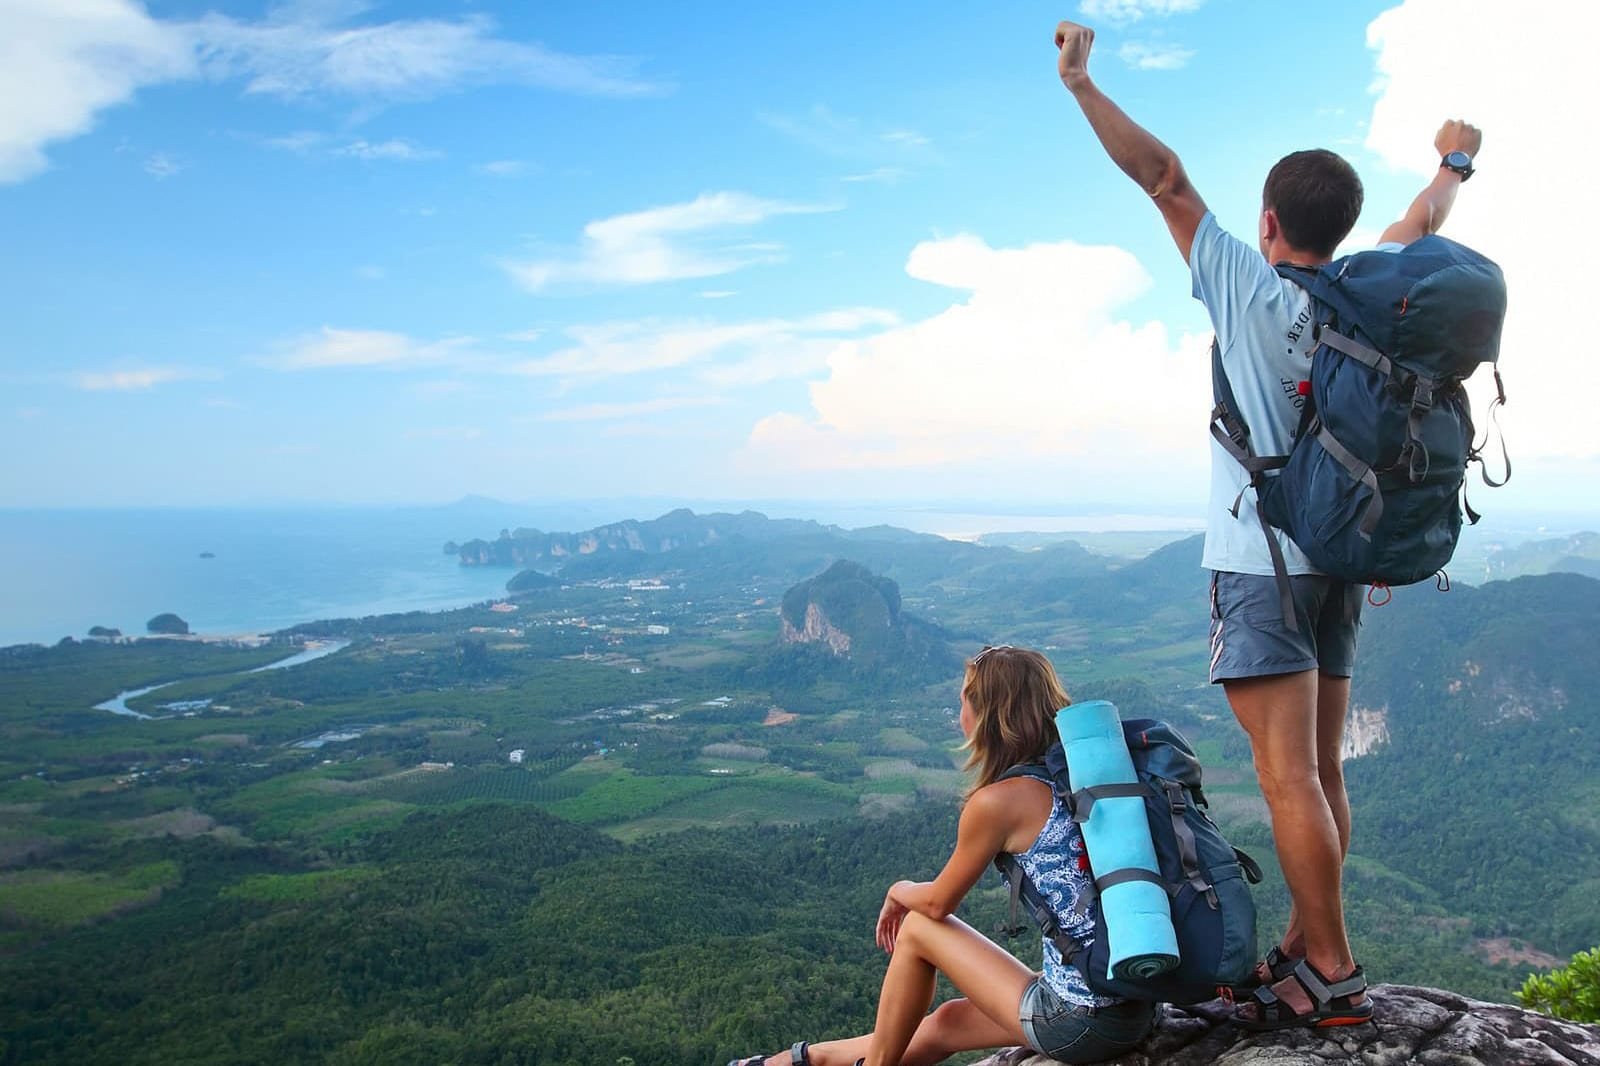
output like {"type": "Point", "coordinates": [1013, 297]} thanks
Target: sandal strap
{"type": "Point", "coordinates": [1323, 991]}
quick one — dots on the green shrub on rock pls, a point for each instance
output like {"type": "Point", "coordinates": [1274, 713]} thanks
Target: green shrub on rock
{"type": "Point", "coordinates": [1572, 992]}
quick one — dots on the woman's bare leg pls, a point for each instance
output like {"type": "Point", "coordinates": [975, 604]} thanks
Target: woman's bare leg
{"type": "Point", "coordinates": [988, 976]}
{"type": "Point", "coordinates": [956, 1025]}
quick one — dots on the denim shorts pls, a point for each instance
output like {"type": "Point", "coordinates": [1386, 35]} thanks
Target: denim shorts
{"type": "Point", "coordinates": [1070, 1033]}
{"type": "Point", "coordinates": [1250, 639]}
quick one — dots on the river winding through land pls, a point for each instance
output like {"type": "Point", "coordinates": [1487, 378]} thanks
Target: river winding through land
{"type": "Point", "coordinates": [316, 649]}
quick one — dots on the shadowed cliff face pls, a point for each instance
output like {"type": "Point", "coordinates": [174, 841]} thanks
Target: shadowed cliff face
{"type": "Point", "coordinates": [1412, 1027]}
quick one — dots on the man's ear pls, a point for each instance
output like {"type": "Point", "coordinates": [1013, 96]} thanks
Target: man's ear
{"type": "Point", "coordinates": [1269, 225]}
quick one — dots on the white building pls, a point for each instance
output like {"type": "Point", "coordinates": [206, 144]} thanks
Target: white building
{"type": "Point", "coordinates": [516, 756]}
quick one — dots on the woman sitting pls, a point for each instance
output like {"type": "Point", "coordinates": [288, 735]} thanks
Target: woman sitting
{"type": "Point", "coordinates": [1009, 699]}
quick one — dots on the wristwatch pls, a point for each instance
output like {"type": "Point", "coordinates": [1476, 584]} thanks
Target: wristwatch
{"type": "Point", "coordinates": [1460, 162]}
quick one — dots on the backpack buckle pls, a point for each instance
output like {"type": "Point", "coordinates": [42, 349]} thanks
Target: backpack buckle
{"type": "Point", "coordinates": [1422, 395]}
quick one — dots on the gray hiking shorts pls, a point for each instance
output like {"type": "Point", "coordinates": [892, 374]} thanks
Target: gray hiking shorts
{"type": "Point", "coordinates": [1249, 637]}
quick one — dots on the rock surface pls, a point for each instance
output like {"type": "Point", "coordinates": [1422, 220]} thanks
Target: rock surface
{"type": "Point", "coordinates": [1412, 1027]}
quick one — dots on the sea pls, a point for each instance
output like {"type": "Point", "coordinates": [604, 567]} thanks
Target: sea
{"type": "Point", "coordinates": [239, 571]}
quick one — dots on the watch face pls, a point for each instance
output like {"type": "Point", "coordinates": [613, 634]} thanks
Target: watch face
{"type": "Point", "coordinates": [1458, 161]}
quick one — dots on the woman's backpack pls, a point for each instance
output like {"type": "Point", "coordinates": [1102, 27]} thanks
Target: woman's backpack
{"type": "Point", "coordinates": [1204, 876]}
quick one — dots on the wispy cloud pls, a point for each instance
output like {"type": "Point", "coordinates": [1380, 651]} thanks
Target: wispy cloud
{"type": "Point", "coordinates": [137, 379]}
{"type": "Point", "coordinates": [1121, 12]}
{"type": "Point", "coordinates": [330, 348]}
{"type": "Point", "coordinates": [62, 64]}
{"type": "Point", "coordinates": [676, 241]}
{"type": "Point", "coordinates": [834, 134]}
{"type": "Point", "coordinates": [611, 412]}
{"type": "Point", "coordinates": [504, 168]}
{"type": "Point", "coordinates": [444, 433]}
{"type": "Point", "coordinates": [909, 138]}
{"type": "Point", "coordinates": [301, 141]}
{"type": "Point", "coordinates": [880, 175]}
{"type": "Point", "coordinates": [161, 166]}
{"type": "Point", "coordinates": [396, 148]}
{"type": "Point", "coordinates": [1150, 55]}
{"type": "Point", "coordinates": [405, 59]}
{"type": "Point", "coordinates": [723, 353]}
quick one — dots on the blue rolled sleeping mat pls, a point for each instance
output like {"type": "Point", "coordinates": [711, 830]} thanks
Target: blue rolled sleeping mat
{"type": "Point", "coordinates": [1135, 911]}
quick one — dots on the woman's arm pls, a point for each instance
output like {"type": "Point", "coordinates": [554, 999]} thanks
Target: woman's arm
{"type": "Point", "coordinates": [988, 821]}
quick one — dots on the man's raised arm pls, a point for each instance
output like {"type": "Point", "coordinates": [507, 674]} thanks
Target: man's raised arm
{"type": "Point", "coordinates": [1143, 158]}
{"type": "Point", "coordinates": [1428, 211]}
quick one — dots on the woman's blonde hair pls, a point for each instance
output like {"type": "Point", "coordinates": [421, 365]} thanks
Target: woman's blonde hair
{"type": "Point", "coordinates": [1014, 694]}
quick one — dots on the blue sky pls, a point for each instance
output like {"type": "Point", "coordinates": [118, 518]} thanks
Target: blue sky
{"type": "Point", "coordinates": [382, 252]}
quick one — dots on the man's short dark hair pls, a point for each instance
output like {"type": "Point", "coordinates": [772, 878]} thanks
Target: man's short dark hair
{"type": "Point", "coordinates": [1317, 198]}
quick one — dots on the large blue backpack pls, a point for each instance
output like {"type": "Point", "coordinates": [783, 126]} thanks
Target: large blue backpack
{"type": "Point", "coordinates": [1369, 490]}
{"type": "Point", "coordinates": [1204, 876]}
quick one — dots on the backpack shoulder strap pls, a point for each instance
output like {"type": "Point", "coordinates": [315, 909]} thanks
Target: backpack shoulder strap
{"type": "Point", "coordinates": [1035, 770]}
{"type": "Point", "coordinates": [1229, 430]}
{"type": "Point", "coordinates": [1023, 891]}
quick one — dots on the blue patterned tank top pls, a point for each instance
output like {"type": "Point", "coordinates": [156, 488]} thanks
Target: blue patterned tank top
{"type": "Point", "coordinates": [1058, 868]}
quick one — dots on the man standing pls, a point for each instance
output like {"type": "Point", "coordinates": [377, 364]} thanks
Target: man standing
{"type": "Point", "coordinates": [1288, 685]}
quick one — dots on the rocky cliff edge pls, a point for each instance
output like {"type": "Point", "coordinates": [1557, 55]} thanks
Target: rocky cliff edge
{"type": "Point", "coordinates": [1411, 1027]}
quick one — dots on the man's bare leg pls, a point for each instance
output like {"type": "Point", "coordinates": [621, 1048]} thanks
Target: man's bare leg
{"type": "Point", "coordinates": [1281, 716]}
{"type": "Point", "coordinates": [1333, 708]}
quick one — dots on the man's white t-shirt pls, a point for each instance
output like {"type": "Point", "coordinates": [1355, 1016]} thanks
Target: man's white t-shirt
{"type": "Point", "coordinates": [1263, 325]}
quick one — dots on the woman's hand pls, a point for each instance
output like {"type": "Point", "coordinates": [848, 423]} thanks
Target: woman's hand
{"type": "Point", "coordinates": [889, 919]}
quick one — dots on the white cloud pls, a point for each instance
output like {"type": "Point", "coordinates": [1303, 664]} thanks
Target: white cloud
{"type": "Point", "coordinates": [503, 168]}
{"type": "Point", "coordinates": [1030, 365]}
{"type": "Point", "coordinates": [726, 354]}
{"type": "Point", "coordinates": [396, 148]}
{"type": "Point", "coordinates": [300, 142]}
{"type": "Point", "coordinates": [718, 294]}
{"type": "Point", "coordinates": [612, 412]}
{"type": "Point", "coordinates": [64, 61]}
{"type": "Point", "coordinates": [664, 243]}
{"type": "Point", "coordinates": [1149, 55]}
{"type": "Point", "coordinates": [329, 348]}
{"type": "Point", "coordinates": [161, 166]}
{"type": "Point", "coordinates": [444, 433]}
{"type": "Point", "coordinates": [1124, 11]}
{"type": "Point", "coordinates": [880, 175]}
{"type": "Point", "coordinates": [909, 138]}
{"type": "Point", "coordinates": [136, 379]}
{"type": "Point", "coordinates": [1512, 210]}
{"type": "Point", "coordinates": [409, 59]}
{"type": "Point", "coordinates": [834, 134]}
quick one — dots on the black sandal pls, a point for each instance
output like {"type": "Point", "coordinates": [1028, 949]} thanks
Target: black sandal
{"type": "Point", "coordinates": [799, 1055]}
{"type": "Point", "coordinates": [1332, 1002]}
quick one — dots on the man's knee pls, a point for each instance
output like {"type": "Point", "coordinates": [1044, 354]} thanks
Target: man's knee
{"type": "Point", "coordinates": [1330, 773]}
{"type": "Point", "coordinates": [1287, 778]}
